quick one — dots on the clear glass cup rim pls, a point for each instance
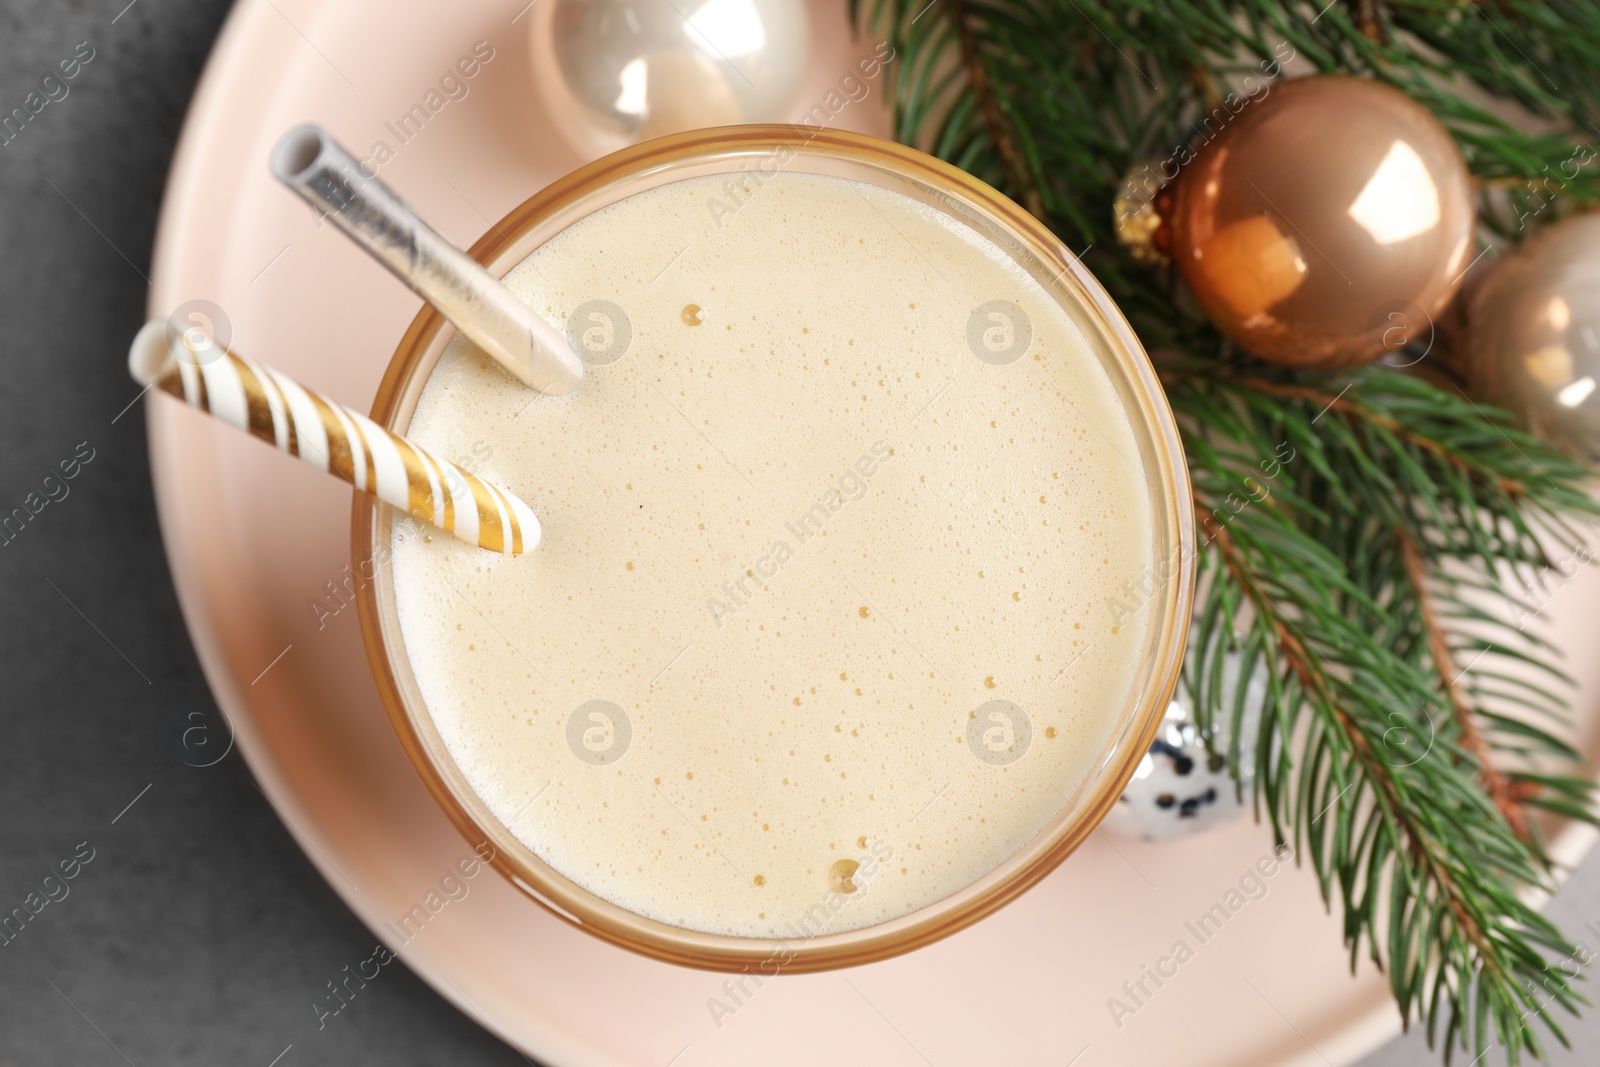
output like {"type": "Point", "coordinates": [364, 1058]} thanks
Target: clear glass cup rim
{"type": "Point", "coordinates": [723, 150]}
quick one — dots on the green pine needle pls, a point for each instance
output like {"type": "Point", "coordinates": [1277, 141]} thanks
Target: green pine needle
{"type": "Point", "coordinates": [1372, 544]}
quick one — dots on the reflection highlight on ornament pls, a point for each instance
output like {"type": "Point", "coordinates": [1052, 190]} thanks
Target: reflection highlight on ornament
{"type": "Point", "coordinates": [1251, 265]}
{"type": "Point", "coordinates": [1549, 365]}
{"type": "Point", "coordinates": [731, 27]}
{"type": "Point", "coordinates": [635, 79]}
{"type": "Point", "coordinates": [1576, 393]}
{"type": "Point", "coordinates": [1400, 201]}
{"type": "Point", "coordinates": [1558, 313]}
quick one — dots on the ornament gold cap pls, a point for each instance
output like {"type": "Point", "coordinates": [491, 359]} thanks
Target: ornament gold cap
{"type": "Point", "coordinates": [1137, 216]}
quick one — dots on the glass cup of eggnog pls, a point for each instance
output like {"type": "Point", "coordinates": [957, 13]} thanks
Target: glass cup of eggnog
{"type": "Point", "coordinates": [867, 555]}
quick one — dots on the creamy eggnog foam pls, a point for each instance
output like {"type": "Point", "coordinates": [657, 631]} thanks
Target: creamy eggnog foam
{"type": "Point", "coordinates": [800, 534]}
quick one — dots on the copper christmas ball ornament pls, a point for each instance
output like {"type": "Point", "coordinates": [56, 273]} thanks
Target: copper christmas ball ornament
{"type": "Point", "coordinates": [1326, 223]}
{"type": "Point", "coordinates": [1533, 337]}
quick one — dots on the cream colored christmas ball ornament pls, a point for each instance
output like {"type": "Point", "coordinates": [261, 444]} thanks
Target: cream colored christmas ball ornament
{"type": "Point", "coordinates": [614, 72]}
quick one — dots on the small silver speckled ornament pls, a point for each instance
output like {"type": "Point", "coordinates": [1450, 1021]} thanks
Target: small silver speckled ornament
{"type": "Point", "coordinates": [1182, 786]}
{"type": "Point", "coordinates": [614, 72]}
{"type": "Point", "coordinates": [1534, 334]}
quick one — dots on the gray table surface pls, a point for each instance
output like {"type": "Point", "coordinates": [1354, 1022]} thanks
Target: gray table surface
{"type": "Point", "coordinates": [198, 933]}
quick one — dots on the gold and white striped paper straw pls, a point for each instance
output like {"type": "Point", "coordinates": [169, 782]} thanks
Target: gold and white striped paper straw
{"type": "Point", "coordinates": [333, 438]}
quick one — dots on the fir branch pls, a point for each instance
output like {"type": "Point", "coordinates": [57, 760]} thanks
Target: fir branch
{"type": "Point", "coordinates": [1330, 401]}
{"type": "Point", "coordinates": [1506, 796]}
{"type": "Point", "coordinates": [1327, 584]}
{"type": "Point", "coordinates": [989, 106]}
{"type": "Point", "coordinates": [1367, 536]}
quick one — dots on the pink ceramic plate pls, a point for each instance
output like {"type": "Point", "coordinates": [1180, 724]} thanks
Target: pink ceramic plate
{"type": "Point", "coordinates": [254, 538]}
